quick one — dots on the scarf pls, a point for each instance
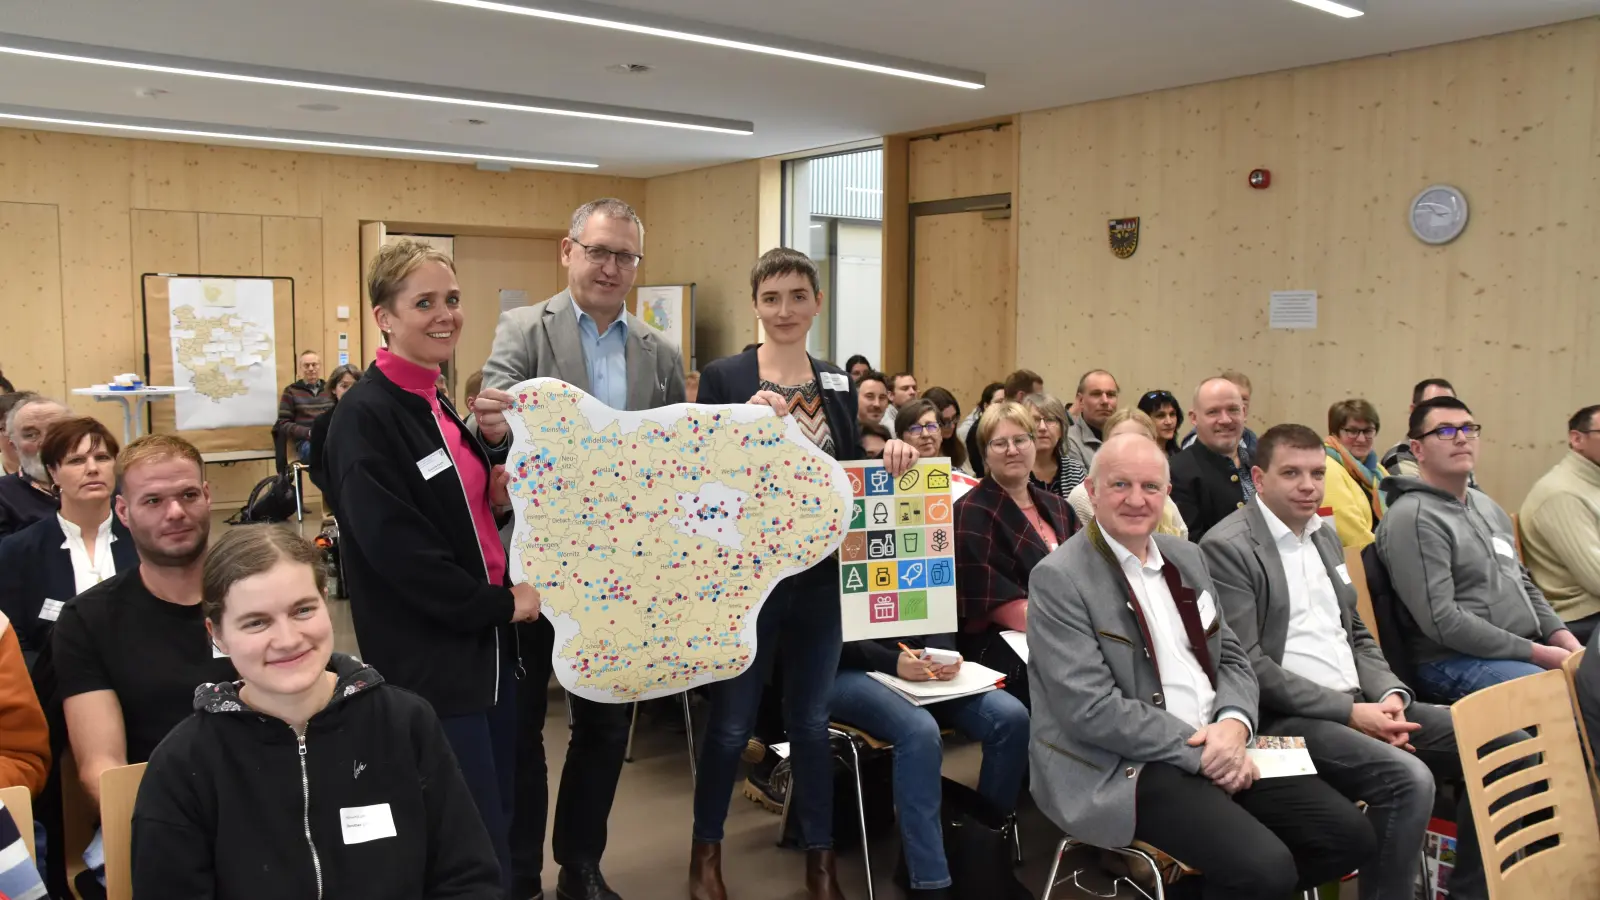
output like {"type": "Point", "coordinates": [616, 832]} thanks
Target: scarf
{"type": "Point", "coordinates": [1367, 473]}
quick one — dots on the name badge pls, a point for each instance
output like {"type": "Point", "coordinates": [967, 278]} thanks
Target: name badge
{"type": "Point", "coordinates": [1208, 609]}
{"type": "Point", "coordinates": [366, 823]}
{"type": "Point", "coordinates": [1344, 572]}
{"type": "Point", "coordinates": [434, 463]}
{"type": "Point", "coordinates": [216, 652]}
{"type": "Point", "coordinates": [51, 610]}
{"type": "Point", "coordinates": [835, 382]}
{"type": "Point", "coordinates": [1503, 547]}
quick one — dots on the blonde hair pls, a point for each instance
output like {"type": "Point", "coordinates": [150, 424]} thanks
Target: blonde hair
{"type": "Point", "coordinates": [1130, 414]}
{"type": "Point", "coordinates": [248, 551]}
{"type": "Point", "coordinates": [395, 263]}
{"type": "Point", "coordinates": [1007, 411]}
{"type": "Point", "coordinates": [156, 448]}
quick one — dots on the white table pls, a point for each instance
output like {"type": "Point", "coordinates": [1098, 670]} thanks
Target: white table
{"type": "Point", "coordinates": [133, 404]}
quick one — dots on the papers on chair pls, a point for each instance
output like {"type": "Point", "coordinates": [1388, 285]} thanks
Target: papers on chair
{"type": "Point", "coordinates": [1281, 757]}
{"type": "Point", "coordinates": [973, 679]}
{"type": "Point", "coordinates": [1018, 642]}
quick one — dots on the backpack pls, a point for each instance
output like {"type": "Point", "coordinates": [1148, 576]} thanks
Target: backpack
{"type": "Point", "coordinates": [272, 500]}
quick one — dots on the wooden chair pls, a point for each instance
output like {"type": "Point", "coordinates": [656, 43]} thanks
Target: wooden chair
{"type": "Point", "coordinates": [1557, 776]}
{"type": "Point", "coordinates": [19, 803]}
{"type": "Point", "coordinates": [78, 815]}
{"type": "Point", "coordinates": [1358, 580]}
{"type": "Point", "coordinates": [1569, 667]}
{"type": "Point", "coordinates": [119, 788]}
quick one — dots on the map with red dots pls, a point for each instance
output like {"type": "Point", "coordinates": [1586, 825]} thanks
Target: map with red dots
{"type": "Point", "coordinates": [655, 536]}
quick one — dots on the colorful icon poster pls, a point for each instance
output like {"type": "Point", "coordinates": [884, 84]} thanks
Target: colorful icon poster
{"type": "Point", "coordinates": [897, 567]}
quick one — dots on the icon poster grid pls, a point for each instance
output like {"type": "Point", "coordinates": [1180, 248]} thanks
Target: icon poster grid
{"type": "Point", "coordinates": [897, 567]}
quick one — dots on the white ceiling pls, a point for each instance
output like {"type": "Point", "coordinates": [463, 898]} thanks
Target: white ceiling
{"type": "Point", "coordinates": [1036, 54]}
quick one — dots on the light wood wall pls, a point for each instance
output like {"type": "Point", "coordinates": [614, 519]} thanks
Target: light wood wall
{"type": "Point", "coordinates": [1507, 312]}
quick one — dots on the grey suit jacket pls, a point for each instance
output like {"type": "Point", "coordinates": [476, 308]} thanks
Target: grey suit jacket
{"type": "Point", "coordinates": [541, 341]}
{"type": "Point", "coordinates": [1098, 711]}
{"type": "Point", "coordinates": [1248, 570]}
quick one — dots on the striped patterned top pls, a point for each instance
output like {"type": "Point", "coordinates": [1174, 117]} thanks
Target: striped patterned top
{"type": "Point", "coordinates": [805, 404]}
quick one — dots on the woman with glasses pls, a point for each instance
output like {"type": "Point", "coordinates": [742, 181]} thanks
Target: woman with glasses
{"type": "Point", "coordinates": [1129, 421]}
{"type": "Point", "coordinates": [949, 416]}
{"type": "Point", "coordinates": [1354, 472]}
{"type": "Point", "coordinates": [1053, 469]}
{"type": "Point", "coordinates": [1004, 527]}
{"type": "Point", "coordinates": [1167, 415]}
{"type": "Point", "coordinates": [917, 423]}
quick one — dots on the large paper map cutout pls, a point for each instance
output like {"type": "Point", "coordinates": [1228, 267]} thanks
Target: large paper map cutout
{"type": "Point", "coordinates": [655, 536]}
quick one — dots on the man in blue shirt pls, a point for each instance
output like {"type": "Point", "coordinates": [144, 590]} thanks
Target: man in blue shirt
{"type": "Point", "coordinates": [587, 338]}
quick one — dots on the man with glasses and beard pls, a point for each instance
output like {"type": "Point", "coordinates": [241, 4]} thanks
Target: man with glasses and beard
{"type": "Point", "coordinates": [25, 497]}
{"type": "Point", "coordinates": [129, 652]}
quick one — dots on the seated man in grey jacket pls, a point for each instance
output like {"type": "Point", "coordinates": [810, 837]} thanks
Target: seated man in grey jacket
{"type": "Point", "coordinates": [1451, 555]}
{"type": "Point", "coordinates": [1144, 705]}
{"type": "Point", "coordinates": [1280, 574]}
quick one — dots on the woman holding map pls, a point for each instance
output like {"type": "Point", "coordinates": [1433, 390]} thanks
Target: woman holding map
{"type": "Point", "coordinates": [423, 562]}
{"type": "Point", "coordinates": [800, 619]}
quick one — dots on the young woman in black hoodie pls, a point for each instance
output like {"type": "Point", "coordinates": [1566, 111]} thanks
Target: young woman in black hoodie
{"type": "Point", "coordinates": [309, 777]}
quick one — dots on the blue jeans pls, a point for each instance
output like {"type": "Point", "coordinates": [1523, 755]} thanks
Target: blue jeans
{"type": "Point", "coordinates": [800, 620]}
{"type": "Point", "coordinates": [996, 718]}
{"type": "Point", "coordinates": [1448, 680]}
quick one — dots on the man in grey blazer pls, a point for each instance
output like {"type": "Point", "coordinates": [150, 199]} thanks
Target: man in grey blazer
{"type": "Point", "coordinates": [1280, 574]}
{"type": "Point", "coordinates": [1144, 704]}
{"type": "Point", "coordinates": [585, 337]}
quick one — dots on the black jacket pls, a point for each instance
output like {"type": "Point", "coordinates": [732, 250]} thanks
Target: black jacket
{"type": "Point", "coordinates": [424, 610]}
{"type": "Point", "coordinates": [317, 460]}
{"type": "Point", "coordinates": [35, 567]}
{"type": "Point", "coordinates": [883, 655]}
{"type": "Point", "coordinates": [735, 379]}
{"type": "Point", "coordinates": [1206, 488]}
{"type": "Point", "coordinates": [229, 797]}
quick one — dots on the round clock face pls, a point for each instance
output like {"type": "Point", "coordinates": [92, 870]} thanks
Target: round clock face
{"type": "Point", "coordinates": [1439, 214]}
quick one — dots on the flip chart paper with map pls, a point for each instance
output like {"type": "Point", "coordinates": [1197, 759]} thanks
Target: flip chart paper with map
{"type": "Point", "coordinates": [655, 536]}
{"type": "Point", "coordinates": [223, 345]}
{"type": "Point", "coordinates": [897, 566]}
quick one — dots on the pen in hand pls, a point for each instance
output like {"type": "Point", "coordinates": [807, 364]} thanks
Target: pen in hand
{"type": "Point", "coordinates": [917, 656]}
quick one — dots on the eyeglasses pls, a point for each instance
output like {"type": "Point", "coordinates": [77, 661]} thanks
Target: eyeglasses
{"type": "Point", "coordinates": [1359, 432]}
{"type": "Point", "coordinates": [919, 430]}
{"type": "Point", "coordinates": [1018, 441]}
{"type": "Point", "coordinates": [602, 255]}
{"type": "Point", "coordinates": [1449, 432]}
{"type": "Point", "coordinates": [947, 423]}
{"type": "Point", "coordinates": [1042, 422]}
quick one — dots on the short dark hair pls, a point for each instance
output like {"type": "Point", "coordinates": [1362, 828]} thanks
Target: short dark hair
{"type": "Point", "coordinates": [988, 391]}
{"type": "Point", "coordinates": [1583, 418]}
{"type": "Point", "coordinates": [65, 436]}
{"type": "Point", "coordinates": [874, 375]}
{"type": "Point", "coordinates": [909, 415]}
{"type": "Point", "coordinates": [858, 358]}
{"type": "Point", "coordinates": [1151, 402]}
{"type": "Point", "coordinates": [1289, 436]}
{"type": "Point", "coordinates": [1021, 382]}
{"type": "Point", "coordinates": [895, 381]}
{"type": "Point", "coordinates": [1424, 384]}
{"type": "Point", "coordinates": [475, 383]}
{"type": "Point", "coordinates": [783, 261]}
{"type": "Point", "coordinates": [1419, 414]}
{"type": "Point", "coordinates": [1085, 377]}
{"type": "Point", "coordinates": [875, 429]}
{"type": "Point", "coordinates": [6, 387]}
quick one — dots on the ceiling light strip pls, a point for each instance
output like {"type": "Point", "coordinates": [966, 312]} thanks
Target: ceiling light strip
{"type": "Point", "coordinates": [1344, 9]}
{"type": "Point", "coordinates": [114, 57]}
{"type": "Point", "coordinates": [637, 22]}
{"type": "Point", "coordinates": [287, 138]}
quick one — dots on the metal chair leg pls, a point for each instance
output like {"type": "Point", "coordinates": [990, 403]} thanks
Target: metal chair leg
{"type": "Point", "coordinates": [568, 698]}
{"type": "Point", "coordinates": [633, 725]}
{"type": "Point", "coordinates": [1067, 843]}
{"type": "Point", "coordinates": [861, 806]}
{"type": "Point", "coordinates": [1055, 868]}
{"type": "Point", "coordinates": [688, 730]}
{"type": "Point", "coordinates": [1016, 838]}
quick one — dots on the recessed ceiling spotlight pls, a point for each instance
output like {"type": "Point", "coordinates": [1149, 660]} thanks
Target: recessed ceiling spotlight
{"type": "Point", "coordinates": [469, 122]}
{"type": "Point", "coordinates": [318, 107]}
{"type": "Point", "coordinates": [149, 93]}
{"type": "Point", "coordinates": [628, 68]}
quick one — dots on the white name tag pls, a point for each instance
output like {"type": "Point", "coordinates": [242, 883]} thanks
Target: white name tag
{"type": "Point", "coordinates": [434, 463]}
{"type": "Point", "coordinates": [216, 652]}
{"type": "Point", "coordinates": [835, 382]}
{"type": "Point", "coordinates": [1344, 572]}
{"type": "Point", "coordinates": [366, 823]}
{"type": "Point", "coordinates": [1503, 547]}
{"type": "Point", "coordinates": [51, 610]}
{"type": "Point", "coordinates": [1208, 609]}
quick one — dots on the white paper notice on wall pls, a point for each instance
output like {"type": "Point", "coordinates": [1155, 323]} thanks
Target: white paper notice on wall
{"type": "Point", "coordinates": [510, 299]}
{"type": "Point", "coordinates": [1293, 309]}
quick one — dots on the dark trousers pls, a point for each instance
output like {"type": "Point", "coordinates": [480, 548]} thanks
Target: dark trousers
{"type": "Point", "coordinates": [1583, 628]}
{"type": "Point", "coordinates": [1263, 843]}
{"type": "Point", "coordinates": [484, 744]}
{"type": "Point", "coordinates": [588, 778]}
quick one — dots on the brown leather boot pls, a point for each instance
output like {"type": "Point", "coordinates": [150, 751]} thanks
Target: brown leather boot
{"type": "Point", "coordinates": [705, 872]}
{"type": "Point", "coordinates": [822, 875]}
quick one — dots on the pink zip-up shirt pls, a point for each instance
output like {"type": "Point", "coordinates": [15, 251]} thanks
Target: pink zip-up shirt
{"type": "Point", "coordinates": [474, 473]}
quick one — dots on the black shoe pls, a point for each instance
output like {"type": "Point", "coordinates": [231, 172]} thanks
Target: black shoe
{"type": "Point", "coordinates": [943, 893]}
{"type": "Point", "coordinates": [583, 882]}
{"type": "Point", "coordinates": [768, 785]}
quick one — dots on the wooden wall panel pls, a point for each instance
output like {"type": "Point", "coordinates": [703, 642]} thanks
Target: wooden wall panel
{"type": "Point", "coordinates": [966, 164]}
{"type": "Point", "coordinates": [30, 255]}
{"type": "Point", "coordinates": [963, 301]}
{"type": "Point", "coordinates": [484, 266]}
{"type": "Point", "coordinates": [291, 247]}
{"type": "Point", "coordinates": [230, 245]}
{"type": "Point", "coordinates": [1505, 312]}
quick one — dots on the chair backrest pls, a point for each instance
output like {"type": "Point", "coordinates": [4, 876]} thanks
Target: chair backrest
{"type": "Point", "coordinates": [119, 788]}
{"type": "Point", "coordinates": [1391, 621]}
{"type": "Point", "coordinates": [78, 815]}
{"type": "Point", "coordinates": [1358, 579]}
{"type": "Point", "coordinates": [1553, 778]}
{"type": "Point", "coordinates": [19, 803]}
{"type": "Point", "coordinates": [1516, 534]}
{"type": "Point", "coordinates": [1569, 667]}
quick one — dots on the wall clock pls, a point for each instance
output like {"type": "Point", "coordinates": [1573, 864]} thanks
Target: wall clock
{"type": "Point", "coordinates": [1439, 214]}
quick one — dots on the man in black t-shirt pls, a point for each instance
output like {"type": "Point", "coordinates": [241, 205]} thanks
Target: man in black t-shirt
{"type": "Point", "coordinates": [130, 651]}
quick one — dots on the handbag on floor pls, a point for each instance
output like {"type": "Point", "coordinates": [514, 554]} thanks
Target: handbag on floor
{"type": "Point", "coordinates": [978, 846]}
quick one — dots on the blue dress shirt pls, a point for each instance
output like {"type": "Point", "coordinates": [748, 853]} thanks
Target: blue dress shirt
{"type": "Point", "coordinates": [605, 357]}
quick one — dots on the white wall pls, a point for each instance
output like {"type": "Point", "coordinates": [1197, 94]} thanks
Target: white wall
{"type": "Point", "coordinates": [858, 304]}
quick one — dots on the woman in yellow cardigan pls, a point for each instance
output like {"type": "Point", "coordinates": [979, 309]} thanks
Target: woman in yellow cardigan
{"type": "Point", "coordinates": [1353, 471]}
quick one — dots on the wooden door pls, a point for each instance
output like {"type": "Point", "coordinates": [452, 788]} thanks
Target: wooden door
{"type": "Point", "coordinates": [963, 313]}
{"type": "Point", "coordinates": [485, 266]}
